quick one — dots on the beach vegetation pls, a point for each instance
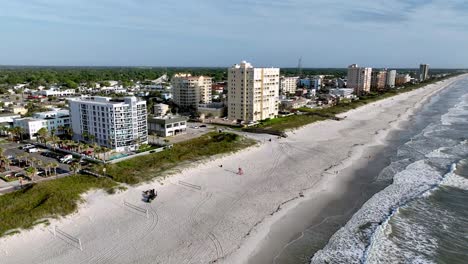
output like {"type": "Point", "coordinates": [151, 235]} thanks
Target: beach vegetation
{"type": "Point", "coordinates": [24, 208]}
{"type": "Point", "coordinates": [144, 168]}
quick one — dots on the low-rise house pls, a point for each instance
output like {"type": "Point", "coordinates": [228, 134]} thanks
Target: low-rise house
{"type": "Point", "coordinates": [294, 103]}
{"type": "Point", "coordinates": [167, 126]}
{"type": "Point", "coordinates": [211, 110]}
{"type": "Point", "coordinates": [342, 92]}
{"type": "Point", "coordinates": [160, 109]}
{"type": "Point", "coordinates": [8, 117]}
{"type": "Point", "coordinates": [17, 109]}
{"type": "Point", "coordinates": [56, 92]}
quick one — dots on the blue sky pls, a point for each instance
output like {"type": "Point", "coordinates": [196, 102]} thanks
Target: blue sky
{"type": "Point", "coordinates": [325, 33]}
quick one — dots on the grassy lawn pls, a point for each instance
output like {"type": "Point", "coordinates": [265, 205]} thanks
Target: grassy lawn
{"type": "Point", "coordinates": [144, 168]}
{"type": "Point", "coordinates": [25, 208]}
{"type": "Point", "coordinates": [314, 115]}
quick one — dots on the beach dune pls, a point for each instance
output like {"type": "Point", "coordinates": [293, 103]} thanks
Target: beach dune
{"type": "Point", "coordinates": [209, 213]}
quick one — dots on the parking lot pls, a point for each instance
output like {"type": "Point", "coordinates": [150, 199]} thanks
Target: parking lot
{"type": "Point", "coordinates": [194, 130]}
{"type": "Point", "coordinates": [17, 166]}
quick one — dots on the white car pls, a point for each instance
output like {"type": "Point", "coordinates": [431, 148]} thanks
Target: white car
{"type": "Point", "coordinates": [27, 146]}
{"type": "Point", "coordinates": [33, 150]}
{"type": "Point", "coordinates": [66, 158]}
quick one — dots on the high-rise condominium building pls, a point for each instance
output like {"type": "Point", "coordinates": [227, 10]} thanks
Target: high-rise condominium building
{"type": "Point", "coordinates": [391, 77]}
{"type": "Point", "coordinates": [359, 79]}
{"type": "Point", "coordinates": [252, 92]}
{"type": "Point", "coordinates": [119, 124]}
{"type": "Point", "coordinates": [189, 91]}
{"type": "Point", "coordinates": [288, 84]}
{"type": "Point", "coordinates": [378, 80]}
{"type": "Point", "coordinates": [423, 72]}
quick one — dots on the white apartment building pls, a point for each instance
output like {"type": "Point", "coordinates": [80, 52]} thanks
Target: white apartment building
{"type": "Point", "coordinates": [288, 84]}
{"type": "Point", "coordinates": [189, 91]}
{"type": "Point", "coordinates": [252, 92]}
{"type": "Point", "coordinates": [56, 120]}
{"type": "Point", "coordinates": [359, 79]}
{"type": "Point", "coordinates": [391, 77]}
{"type": "Point", "coordinates": [119, 124]}
{"type": "Point", "coordinates": [56, 92]}
{"type": "Point", "coordinates": [30, 126]}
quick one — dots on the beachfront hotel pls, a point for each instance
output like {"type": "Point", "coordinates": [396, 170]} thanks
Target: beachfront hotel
{"type": "Point", "coordinates": [119, 124]}
{"type": "Point", "coordinates": [252, 92]}
{"type": "Point", "coordinates": [359, 78]}
{"type": "Point", "coordinates": [378, 80]}
{"type": "Point", "coordinates": [189, 91]}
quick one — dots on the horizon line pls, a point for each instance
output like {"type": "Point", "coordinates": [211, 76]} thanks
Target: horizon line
{"type": "Point", "coordinates": [148, 66]}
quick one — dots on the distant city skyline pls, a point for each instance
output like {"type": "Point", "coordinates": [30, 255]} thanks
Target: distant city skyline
{"type": "Point", "coordinates": [274, 33]}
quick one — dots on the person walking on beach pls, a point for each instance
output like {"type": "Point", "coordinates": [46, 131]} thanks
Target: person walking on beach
{"type": "Point", "coordinates": [240, 171]}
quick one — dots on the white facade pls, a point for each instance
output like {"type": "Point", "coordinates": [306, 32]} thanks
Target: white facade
{"type": "Point", "coordinates": [252, 92]}
{"type": "Point", "coordinates": [30, 126]}
{"type": "Point", "coordinates": [8, 118]}
{"type": "Point", "coordinates": [56, 92]}
{"type": "Point", "coordinates": [57, 120]}
{"type": "Point", "coordinates": [119, 124]}
{"type": "Point", "coordinates": [391, 77]}
{"type": "Point", "coordinates": [189, 91]}
{"type": "Point", "coordinates": [359, 79]}
{"type": "Point", "coordinates": [160, 109]}
{"type": "Point", "coordinates": [342, 92]}
{"type": "Point", "coordinates": [288, 84]}
{"type": "Point", "coordinates": [167, 126]}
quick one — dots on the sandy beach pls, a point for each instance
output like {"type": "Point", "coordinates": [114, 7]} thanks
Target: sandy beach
{"type": "Point", "coordinates": [208, 213]}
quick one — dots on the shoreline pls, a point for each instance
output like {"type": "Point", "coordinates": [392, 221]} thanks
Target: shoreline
{"type": "Point", "coordinates": [230, 212]}
{"type": "Point", "coordinates": [270, 233]}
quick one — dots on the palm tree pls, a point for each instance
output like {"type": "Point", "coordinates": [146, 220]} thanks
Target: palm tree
{"type": "Point", "coordinates": [7, 163]}
{"type": "Point", "coordinates": [53, 131]}
{"type": "Point", "coordinates": [33, 161]}
{"type": "Point", "coordinates": [39, 164]}
{"type": "Point", "coordinates": [42, 134]}
{"type": "Point", "coordinates": [18, 132]}
{"type": "Point", "coordinates": [69, 132]}
{"type": "Point", "coordinates": [92, 138]}
{"type": "Point", "coordinates": [60, 129]}
{"type": "Point", "coordinates": [85, 135]}
{"type": "Point", "coordinates": [47, 168]}
{"type": "Point", "coordinates": [55, 165]}
{"type": "Point", "coordinates": [31, 172]}
{"type": "Point", "coordinates": [75, 167]}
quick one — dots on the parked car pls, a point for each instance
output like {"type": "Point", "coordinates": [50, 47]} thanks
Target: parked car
{"type": "Point", "coordinates": [27, 146]}
{"type": "Point", "coordinates": [203, 126]}
{"type": "Point", "coordinates": [66, 158]}
{"type": "Point", "coordinates": [33, 150]}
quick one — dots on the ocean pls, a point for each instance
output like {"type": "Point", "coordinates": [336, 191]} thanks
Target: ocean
{"type": "Point", "coordinates": [422, 215]}
{"type": "Point", "coordinates": [423, 166]}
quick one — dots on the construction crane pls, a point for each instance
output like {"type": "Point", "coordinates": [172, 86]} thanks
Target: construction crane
{"type": "Point", "coordinates": [299, 67]}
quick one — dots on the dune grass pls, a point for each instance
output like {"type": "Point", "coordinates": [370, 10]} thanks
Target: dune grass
{"type": "Point", "coordinates": [143, 168]}
{"type": "Point", "coordinates": [50, 199]}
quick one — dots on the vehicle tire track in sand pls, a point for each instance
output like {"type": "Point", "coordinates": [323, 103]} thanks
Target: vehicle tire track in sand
{"type": "Point", "coordinates": [192, 220]}
{"type": "Point", "coordinates": [114, 250]}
